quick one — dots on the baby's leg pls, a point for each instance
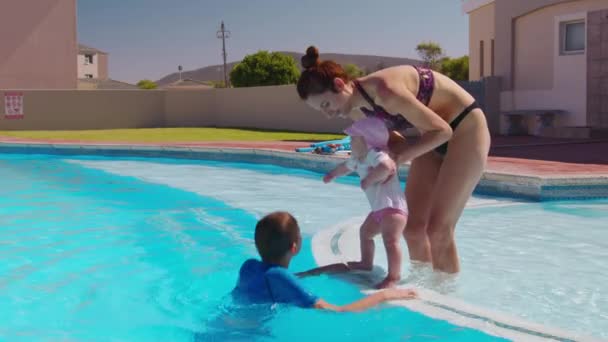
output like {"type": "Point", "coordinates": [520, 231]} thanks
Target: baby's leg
{"type": "Point", "coordinates": [369, 229]}
{"type": "Point", "coordinates": [392, 225]}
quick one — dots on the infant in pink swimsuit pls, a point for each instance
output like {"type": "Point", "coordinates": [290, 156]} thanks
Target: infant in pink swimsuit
{"type": "Point", "coordinates": [379, 180]}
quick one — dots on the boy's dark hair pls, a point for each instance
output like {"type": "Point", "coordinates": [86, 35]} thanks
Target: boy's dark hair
{"type": "Point", "coordinates": [275, 234]}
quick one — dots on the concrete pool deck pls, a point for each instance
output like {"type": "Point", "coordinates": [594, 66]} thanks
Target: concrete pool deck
{"type": "Point", "coordinates": [511, 171]}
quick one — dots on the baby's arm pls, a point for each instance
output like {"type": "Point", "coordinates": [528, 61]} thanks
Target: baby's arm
{"type": "Point", "coordinates": [379, 173]}
{"type": "Point", "coordinates": [338, 171]}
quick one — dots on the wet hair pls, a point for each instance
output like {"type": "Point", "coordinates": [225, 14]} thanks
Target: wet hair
{"type": "Point", "coordinates": [318, 76]}
{"type": "Point", "coordinates": [275, 234]}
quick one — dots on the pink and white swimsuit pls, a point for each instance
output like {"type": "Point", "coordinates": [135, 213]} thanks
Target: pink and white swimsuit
{"type": "Point", "coordinates": [384, 198]}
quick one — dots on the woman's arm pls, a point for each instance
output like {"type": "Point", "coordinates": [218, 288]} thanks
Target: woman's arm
{"type": "Point", "coordinates": [435, 131]}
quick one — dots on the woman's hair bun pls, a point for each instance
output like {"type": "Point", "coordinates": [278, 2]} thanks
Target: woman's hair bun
{"type": "Point", "coordinates": [311, 58]}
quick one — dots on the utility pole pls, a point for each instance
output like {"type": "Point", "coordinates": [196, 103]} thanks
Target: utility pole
{"type": "Point", "coordinates": [223, 34]}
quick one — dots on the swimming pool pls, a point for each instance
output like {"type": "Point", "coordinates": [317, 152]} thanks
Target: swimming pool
{"type": "Point", "coordinates": [147, 249]}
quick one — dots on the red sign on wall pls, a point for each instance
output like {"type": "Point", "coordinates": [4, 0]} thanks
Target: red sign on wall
{"type": "Point", "coordinates": [13, 105]}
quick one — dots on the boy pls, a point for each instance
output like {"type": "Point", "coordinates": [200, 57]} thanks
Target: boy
{"type": "Point", "coordinates": [278, 240]}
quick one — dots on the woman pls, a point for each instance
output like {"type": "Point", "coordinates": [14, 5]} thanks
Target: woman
{"type": "Point", "coordinates": [448, 159]}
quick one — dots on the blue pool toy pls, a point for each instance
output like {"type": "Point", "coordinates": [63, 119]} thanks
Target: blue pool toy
{"type": "Point", "coordinates": [327, 147]}
{"type": "Point", "coordinates": [338, 141]}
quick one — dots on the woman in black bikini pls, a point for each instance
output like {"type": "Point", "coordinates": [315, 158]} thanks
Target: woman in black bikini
{"type": "Point", "coordinates": [448, 159]}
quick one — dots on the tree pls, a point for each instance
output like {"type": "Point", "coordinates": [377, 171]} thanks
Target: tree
{"type": "Point", "coordinates": [146, 84]}
{"type": "Point", "coordinates": [353, 71]}
{"type": "Point", "coordinates": [431, 53]}
{"type": "Point", "coordinates": [456, 68]}
{"type": "Point", "coordinates": [265, 69]}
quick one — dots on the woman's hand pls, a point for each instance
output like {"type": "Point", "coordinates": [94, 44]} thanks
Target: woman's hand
{"type": "Point", "coordinates": [403, 156]}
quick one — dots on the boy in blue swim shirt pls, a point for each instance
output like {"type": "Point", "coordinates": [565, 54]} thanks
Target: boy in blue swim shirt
{"type": "Point", "coordinates": [278, 240]}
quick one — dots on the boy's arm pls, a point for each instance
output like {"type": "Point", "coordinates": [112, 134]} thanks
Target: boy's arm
{"type": "Point", "coordinates": [368, 301]}
{"type": "Point", "coordinates": [379, 173]}
{"type": "Point", "coordinates": [286, 288]}
{"type": "Point", "coordinates": [333, 268]}
{"type": "Point", "coordinates": [338, 171]}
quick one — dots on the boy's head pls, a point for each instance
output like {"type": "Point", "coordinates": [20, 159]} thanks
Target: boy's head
{"type": "Point", "coordinates": [276, 235]}
{"type": "Point", "coordinates": [372, 130]}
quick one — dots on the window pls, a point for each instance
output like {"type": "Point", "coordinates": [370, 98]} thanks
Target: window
{"type": "Point", "coordinates": [481, 59]}
{"type": "Point", "coordinates": [572, 37]}
{"type": "Point", "coordinates": [88, 75]}
{"type": "Point", "coordinates": [88, 59]}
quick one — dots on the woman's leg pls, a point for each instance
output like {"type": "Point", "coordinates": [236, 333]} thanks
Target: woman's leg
{"type": "Point", "coordinates": [418, 192]}
{"type": "Point", "coordinates": [460, 172]}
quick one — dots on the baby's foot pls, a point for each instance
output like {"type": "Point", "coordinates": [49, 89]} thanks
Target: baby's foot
{"type": "Point", "coordinates": [388, 282]}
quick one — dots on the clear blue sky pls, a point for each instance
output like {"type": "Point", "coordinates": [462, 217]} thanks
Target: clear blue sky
{"type": "Point", "coordinates": [150, 38]}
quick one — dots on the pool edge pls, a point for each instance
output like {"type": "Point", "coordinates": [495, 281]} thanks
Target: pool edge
{"type": "Point", "coordinates": [492, 183]}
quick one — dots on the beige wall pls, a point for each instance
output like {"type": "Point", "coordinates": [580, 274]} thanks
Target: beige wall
{"type": "Point", "coordinates": [274, 107]}
{"type": "Point", "coordinates": [102, 66]}
{"type": "Point", "coordinates": [90, 109]}
{"type": "Point", "coordinates": [38, 44]}
{"type": "Point", "coordinates": [507, 11]}
{"type": "Point", "coordinates": [549, 80]}
{"type": "Point", "coordinates": [190, 108]}
{"type": "Point", "coordinates": [533, 51]}
{"type": "Point", "coordinates": [597, 69]}
{"type": "Point", "coordinates": [481, 28]}
{"type": "Point", "coordinates": [537, 34]}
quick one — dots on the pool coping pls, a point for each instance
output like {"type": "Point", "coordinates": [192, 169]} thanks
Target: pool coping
{"type": "Point", "coordinates": [522, 184]}
{"type": "Point", "coordinates": [326, 250]}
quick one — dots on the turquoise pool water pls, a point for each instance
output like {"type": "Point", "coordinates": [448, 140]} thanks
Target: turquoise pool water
{"type": "Point", "coordinates": [98, 249]}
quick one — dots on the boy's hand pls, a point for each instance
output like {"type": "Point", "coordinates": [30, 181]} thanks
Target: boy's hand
{"type": "Point", "coordinates": [328, 178]}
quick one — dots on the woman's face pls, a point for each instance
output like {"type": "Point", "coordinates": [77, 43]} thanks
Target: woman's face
{"type": "Point", "coordinates": [333, 104]}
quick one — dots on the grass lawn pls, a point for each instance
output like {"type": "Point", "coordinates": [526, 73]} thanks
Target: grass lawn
{"type": "Point", "coordinates": [171, 135]}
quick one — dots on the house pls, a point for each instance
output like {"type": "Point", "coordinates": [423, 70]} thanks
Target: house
{"type": "Point", "coordinates": [92, 63]}
{"type": "Point", "coordinates": [548, 54]}
{"type": "Point", "coordinates": [92, 66]}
